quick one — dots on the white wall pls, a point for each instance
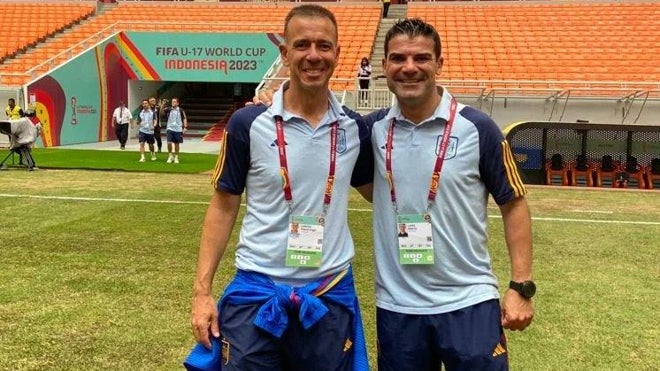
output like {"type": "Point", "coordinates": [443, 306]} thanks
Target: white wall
{"type": "Point", "coordinates": [138, 90]}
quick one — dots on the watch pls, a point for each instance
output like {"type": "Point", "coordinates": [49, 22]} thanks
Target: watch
{"type": "Point", "coordinates": [526, 289]}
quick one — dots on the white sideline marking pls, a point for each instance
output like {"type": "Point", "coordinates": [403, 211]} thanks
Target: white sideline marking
{"type": "Point", "coordinates": [71, 198]}
{"type": "Point", "coordinates": [592, 211]}
{"type": "Point", "coordinates": [590, 221]}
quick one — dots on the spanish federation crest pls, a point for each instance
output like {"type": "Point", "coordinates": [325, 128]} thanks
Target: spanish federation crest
{"type": "Point", "coordinates": [341, 141]}
{"type": "Point", "coordinates": [452, 147]}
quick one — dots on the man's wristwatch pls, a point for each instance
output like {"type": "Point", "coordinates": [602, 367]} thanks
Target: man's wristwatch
{"type": "Point", "coordinates": [526, 289]}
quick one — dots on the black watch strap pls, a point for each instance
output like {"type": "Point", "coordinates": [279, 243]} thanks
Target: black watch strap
{"type": "Point", "coordinates": [526, 289]}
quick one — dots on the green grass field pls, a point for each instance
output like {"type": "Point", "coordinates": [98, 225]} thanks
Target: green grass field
{"type": "Point", "coordinates": [96, 272]}
{"type": "Point", "coordinates": [89, 159]}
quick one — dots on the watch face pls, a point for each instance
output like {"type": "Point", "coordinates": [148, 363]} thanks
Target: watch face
{"type": "Point", "coordinates": [528, 289]}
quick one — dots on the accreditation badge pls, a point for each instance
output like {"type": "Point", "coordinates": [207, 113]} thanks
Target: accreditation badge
{"type": "Point", "coordinates": [415, 237]}
{"type": "Point", "coordinates": [305, 245]}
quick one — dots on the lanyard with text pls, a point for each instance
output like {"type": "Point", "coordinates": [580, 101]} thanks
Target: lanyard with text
{"type": "Point", "coordinates": [284, 168]}
{"type": "Point", "coordinates": [435, 178]}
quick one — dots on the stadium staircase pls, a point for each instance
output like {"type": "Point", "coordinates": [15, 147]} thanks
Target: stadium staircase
{"type": "Point", "coordinates": [396, 12]}
{"type": "Point", "coordinates": [208, 112]}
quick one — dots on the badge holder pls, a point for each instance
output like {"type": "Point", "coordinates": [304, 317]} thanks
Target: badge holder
{"type": "Point", "coordinates": [415, 239]}
{"type": "Point", "coordinates": [305, 244]}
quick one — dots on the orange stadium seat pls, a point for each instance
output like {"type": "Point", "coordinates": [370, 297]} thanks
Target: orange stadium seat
{"type": "Point", "coordinates": [633, 174]}
{"type": "Point", "coordinates": [582, 172]}
{"type": "Point", "coordinates": [607, 172]}
{"type": "Point", "coordinates": [556, 171]}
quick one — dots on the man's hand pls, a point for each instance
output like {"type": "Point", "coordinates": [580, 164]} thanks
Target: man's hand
{"type": "Point", "coordinates": [204, 319]}
{"type": "Point", "coordinates": [265, 97]}
{"type": "Point", "coordinates": [517, 312]}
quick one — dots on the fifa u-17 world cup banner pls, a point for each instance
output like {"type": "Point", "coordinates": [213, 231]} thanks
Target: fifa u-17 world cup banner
{"type": "Point", "coordinates": [217, 57]}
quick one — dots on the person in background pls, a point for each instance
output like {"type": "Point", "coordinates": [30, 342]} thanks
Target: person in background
{"type": "Point", "coordinates": [121, 117]}
{"type": "Point", "coordinates": [364, 76]}
{"type": "Point", "coordinates": [292, 304]}
{"type": "Point", "coordinates": [177, 124]}
{"type": "Point", "coordinates": [156, 109]}
{"type": "Point", "coordinates": [13, 111]}
{"type": "Point", "coordinates": [146, 124]}
{"type": "Point", "coordinates": [445, 288]}
{"type": "Point", "coordinates": [22, 135]}
{"type": "Point", "coordinates": [386, 7]}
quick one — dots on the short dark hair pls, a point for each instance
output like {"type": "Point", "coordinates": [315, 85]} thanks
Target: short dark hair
{"type": "Point", "coordinates": [310, 10]}
{"type": "Point", "coordinates": [11, 100]}
{"type": "Point", "coordinates": [413, 27]}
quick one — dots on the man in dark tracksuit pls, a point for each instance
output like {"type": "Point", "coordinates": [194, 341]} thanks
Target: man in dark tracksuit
{"type": "Point", "coordinates": [156, 109]}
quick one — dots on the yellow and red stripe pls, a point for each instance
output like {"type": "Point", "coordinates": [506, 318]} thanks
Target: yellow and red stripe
{"type": "Point", "coordinates": [220, 164]}
{"type": "Point", "coordinates": [512, 171]}
{"type": "Point", "coordinates": [136, 59]}
{"type": "Point", "coordinates": [330, 282]}
{"type": "Point", "coordinates": [103, 83]}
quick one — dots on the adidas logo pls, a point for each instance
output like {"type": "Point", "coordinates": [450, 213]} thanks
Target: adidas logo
{"type": "Point", "coordinates": [499, 350]}
{"type": "Point", "coordinates": [274, 143]}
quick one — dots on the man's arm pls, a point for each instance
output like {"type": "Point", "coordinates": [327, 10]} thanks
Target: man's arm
{"type": "Point", "coordinates": [218, 224]}
{"type": "Point", "coordinates": [517, 312]}
{"type": "Point", "coordinates": [114, 118]}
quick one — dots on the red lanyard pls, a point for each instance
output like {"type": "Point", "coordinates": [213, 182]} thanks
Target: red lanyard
{"type": "Point", "coordinates": [435, 178]}
{"type": "Point", "coordinates": [284, 168]}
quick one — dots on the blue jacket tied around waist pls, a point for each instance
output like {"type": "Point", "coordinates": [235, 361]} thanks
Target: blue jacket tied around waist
{"type": "Point", "coordinates": [250, 288]}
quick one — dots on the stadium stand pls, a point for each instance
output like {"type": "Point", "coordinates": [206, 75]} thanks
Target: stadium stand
{"type": "Point", "coordinates": [567, 41]}
{"type": "Point", "coordinates": [358, 23]}
{"type": "Point", "coordinates": [25, 24]}
{"type": "Point", "coordinates": [29, 25]}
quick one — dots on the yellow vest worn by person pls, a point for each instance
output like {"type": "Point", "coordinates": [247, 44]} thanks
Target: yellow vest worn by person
{"type": "Point", "coordinates": [13, 114]}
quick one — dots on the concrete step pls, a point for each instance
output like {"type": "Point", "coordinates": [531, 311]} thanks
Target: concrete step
{"type": "Point", "coordinates": [396, 12]}
{"type": "Point", "coordinates": [196, 116]}
{"type": "Point", "coordinates": [192, 133]}
{"type": "Point", "coordinates": [200, 125]}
